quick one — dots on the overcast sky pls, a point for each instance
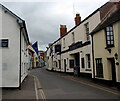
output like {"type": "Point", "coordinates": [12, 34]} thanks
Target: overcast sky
{"type": "Point", "coordinates": [43, 19]}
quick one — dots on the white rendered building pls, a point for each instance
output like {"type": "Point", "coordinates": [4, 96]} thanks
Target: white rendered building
{"type": "Point", "coordinates": [13, 44]}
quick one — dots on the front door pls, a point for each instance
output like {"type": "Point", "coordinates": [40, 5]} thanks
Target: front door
{"type": "Point", "coordinates": [113, 70]}
{"type": "Point", "coordinates": [77, 60]}
{"type": "Point", "coordinates": [64, 65]}
{"type": "Point", "coordinates": [77, 63]}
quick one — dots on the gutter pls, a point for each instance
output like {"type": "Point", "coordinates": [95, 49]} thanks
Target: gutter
{"type": "Point", "coordinates": [20, 59]}
{"type": "Point", "coordinates": [93, 58]}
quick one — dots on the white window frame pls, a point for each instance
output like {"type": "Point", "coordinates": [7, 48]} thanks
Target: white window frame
{"type": "Point", "coordinates": [88, 61]}
{"type": "Point", "coordinates": [87, 31]}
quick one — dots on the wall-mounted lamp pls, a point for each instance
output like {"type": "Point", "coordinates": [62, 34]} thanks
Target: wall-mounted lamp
{"type": "Point", "coordinates": [117, 63]}
{"type": "Point", "coordinates": [109, 50]}
{"type": "Point", "coordinates": [116, 56]}
{"type": "Point", "coordinates": [81, 51]}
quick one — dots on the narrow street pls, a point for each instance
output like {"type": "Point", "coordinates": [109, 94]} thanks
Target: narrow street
{"type": "Point", "coordinates": [59, 86]}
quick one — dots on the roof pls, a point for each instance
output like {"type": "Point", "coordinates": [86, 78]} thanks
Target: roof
{"type": "Point", "coordinates": [17, 18]}
{"type": "Point", "coordinates": [76, 26]}
{"type": "Point", "coordinates": [110, 20]}
{"type": "Point", "coordinates": [80, 22]}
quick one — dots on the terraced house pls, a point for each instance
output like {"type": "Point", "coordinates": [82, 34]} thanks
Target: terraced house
{"type": "Point", "coordinates": [106, 47]}
{"type": "Point", "coordinates": [72, 52]}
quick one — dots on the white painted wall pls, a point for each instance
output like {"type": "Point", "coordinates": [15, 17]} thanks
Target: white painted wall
{"type": "Point", "coordinates": [11, 55]}
{"type": "Point", "coordinates": [0, 56]}
{"type": "Point", "coordinates": [79, 35]}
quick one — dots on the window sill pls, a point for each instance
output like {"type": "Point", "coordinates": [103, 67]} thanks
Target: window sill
{"type": "Point", "coordinates": [108, 47]}
{"type": "Point", "coordinates": [88, 70]}
{"type": "Point", "coordinates": [99, 76]}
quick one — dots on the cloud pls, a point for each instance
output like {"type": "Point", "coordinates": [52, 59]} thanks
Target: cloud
{"type": "Point", "coordinates": [44, 18]}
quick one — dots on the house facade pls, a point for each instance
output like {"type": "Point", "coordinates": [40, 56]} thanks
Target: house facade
{"type": "Point", "coordinates": [13, 44]}
{"type": "Point", "coordinates": [72, 52]}
{"type": "Point", "coordinates": [106, 47]}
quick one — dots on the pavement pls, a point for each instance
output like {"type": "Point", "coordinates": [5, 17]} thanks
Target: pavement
{"type": "Point", "coordinates": [27, 91]}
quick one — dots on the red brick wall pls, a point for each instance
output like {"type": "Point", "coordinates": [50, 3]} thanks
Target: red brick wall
{"type": "Point", "coordinates": [77, 19]}
{"type": "Point", "coordinates": [105, 9]}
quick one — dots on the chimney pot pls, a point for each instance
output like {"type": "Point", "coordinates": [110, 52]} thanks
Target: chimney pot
{"type": "Point", "coordinates": [118, 4]}
{"type": "Point", "coordinates": [63, 30]}
{"type": "Point", "coordinates": [77, 19]}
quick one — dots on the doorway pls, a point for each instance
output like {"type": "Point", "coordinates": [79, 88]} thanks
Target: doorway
{"type": "Point", "coordinates": [77, 59]}
{"type": "Point", "coordinates": [113, 70]}
{"type": "Point", "coordinates": [64, 65]}
{"type": "Point", "coordinates": [77, 63]}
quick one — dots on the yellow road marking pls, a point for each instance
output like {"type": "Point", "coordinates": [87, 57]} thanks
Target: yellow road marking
{"type": "Point", "coordinates": [39, 91]}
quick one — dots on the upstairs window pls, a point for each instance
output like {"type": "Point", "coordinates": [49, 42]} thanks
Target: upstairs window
{"type": "Point", "coordinates": [73, 37]}
{"type": "Point", "coordinates": [4, 43]}
{"type": "Point", "coordinates": [64, 43]}
{"type": "Point", "coordinates": [87, 31]}
{"type": "Point", "coordinates": [109, 36]}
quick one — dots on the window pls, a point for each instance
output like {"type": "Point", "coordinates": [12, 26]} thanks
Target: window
{"type": "Point", "coordinates": [4, 42]}
{"type": "Point", "coordinates": [88, 60]}
{"type": "Point", "coordinates": [82, 62]}
{"type": "Point", "coordinates": [87, 31]}
{"type": "Point", "coordinates": [109, 36]}
{"type": "Point", "coordinates": [57, 48]}
{"type": "Point", "coordinates": [73, 37]}
{"type": "Point", "coordinates": [64, 43]}
{"type": "Point", "coordinates": [71, 63]}
{"type": "Point", "coordinates": [99, 68]}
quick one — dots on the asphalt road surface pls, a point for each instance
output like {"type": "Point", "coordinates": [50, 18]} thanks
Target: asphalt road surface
{"type": "Point", "coordinates": [56, 86]}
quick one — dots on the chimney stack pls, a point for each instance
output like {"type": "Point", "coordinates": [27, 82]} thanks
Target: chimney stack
{"type": "Point", "coordinates": [77, 19]}
{"type": "Point", "coordinates": [117, 4]}
{"type": "Point", "coordinates": [63, 30]}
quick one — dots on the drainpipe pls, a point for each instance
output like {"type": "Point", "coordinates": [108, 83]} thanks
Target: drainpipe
{"type": "Point", "coordinates": [20, 59]}
{"type": "Point", "coordinates": [93, 58]}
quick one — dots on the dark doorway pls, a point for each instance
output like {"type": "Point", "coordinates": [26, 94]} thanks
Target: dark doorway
{"type": "Point", "coordinates": [64, 65]}
{"type": "Point", "coordinates": [77, 64]}
{"type": "Point", "coordinates": [77, 59]}
{"type": "Point", "coordinates": [112, 61]}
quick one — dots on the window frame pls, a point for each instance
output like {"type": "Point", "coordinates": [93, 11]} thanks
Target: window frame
{"type": "Point", "coordinates": [73, 37]}
{"type": "Point", "coordinates": [63, 42]}
{"type": "Point", "coordinates": [99, 66]}
{"type": "Point", "coordinates": [4, 40]}
{"type": "Point", "coordinates": [109, 36]}
{"type": "Point", "coordinates": [88, 61]}
{"type": "Point", "coordinates": [87, 31]}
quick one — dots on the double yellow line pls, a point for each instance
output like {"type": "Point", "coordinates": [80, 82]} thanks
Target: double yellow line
{"type": "Point", "coordinates": [39, 91]}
